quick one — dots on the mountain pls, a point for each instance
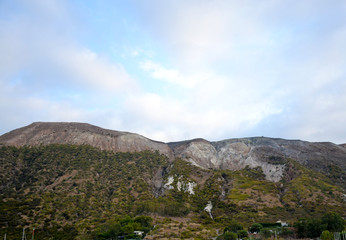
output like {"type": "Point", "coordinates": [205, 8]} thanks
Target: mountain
{"type": "Point", "coordinates": [74, 180]}
{"type": "Point", "coordinates": [45, 133]}
{"type": "Point", "coordinates": [268, 153]}
{"type": "Point", "coordinates": [234, 154]}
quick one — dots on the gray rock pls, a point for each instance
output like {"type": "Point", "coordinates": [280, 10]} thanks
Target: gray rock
{"type": "Point", "coordinates": [234, 154]}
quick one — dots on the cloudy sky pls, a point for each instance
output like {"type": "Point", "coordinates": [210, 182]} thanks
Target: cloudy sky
{"type": "Point", "coordinates": [175, 70]}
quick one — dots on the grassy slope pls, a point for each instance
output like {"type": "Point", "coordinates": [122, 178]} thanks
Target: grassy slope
{"type": "Point", "coordinates": [74, 189]}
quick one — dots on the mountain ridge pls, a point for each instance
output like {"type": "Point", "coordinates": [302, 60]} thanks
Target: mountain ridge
{"type": "Point", "coordinates": [44, 133]}
{"type": "Point", "coordinates": [234, 154]}
{"type": "Point", "coordinates": [61, 179]}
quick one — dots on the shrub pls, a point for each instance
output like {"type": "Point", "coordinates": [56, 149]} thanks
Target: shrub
{"type": "Point", "coordinates": [255, 228]}
{"type": "Point", "coordinates": [230, 236]}
{"type": "Point", "coordinates": [333, 221]}
{"type": "Point", "coordinates": [233, 227]}
{"type": "Point", "coordinates": [326, 235]}
{"type": "Point", "coordinates": [286, 232]}
{"type": "Point", "coordinates": [266, 233]}
{"type": "Point", "coordinates": [242, 234]}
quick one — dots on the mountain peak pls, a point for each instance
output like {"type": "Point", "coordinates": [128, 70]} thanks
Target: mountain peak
{"type": "Point", "coordinates": [45, 133]}
{"type": "Point", "coordinates": [270, 154]}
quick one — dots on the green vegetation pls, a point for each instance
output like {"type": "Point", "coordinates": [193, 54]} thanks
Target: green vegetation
{"type": "Point", "coordinates": [80, 192]}
{"type": "Point", "coordinates": [70, 187]}
{"type": "Point", "coordinates": [333, 222]}
{"type": "Point", "coordinates": [312, 227]}
{"type": "Point", "coordinates": [326, 235]}
{"type": "Point", "coordinates": [237, 196]}
{"type": "Point", "coordinates": [234, 231]}
{"type": "Point", "coordinates": [255, 228]}
{"type": "Point", "coordinates": [123, 228]}
{"type": "Point", "coordinates": [233, 227]}
{"type": "Point", "coordinates": [228, 236]}
{"type": "Point", "coordinates": [336, 175]}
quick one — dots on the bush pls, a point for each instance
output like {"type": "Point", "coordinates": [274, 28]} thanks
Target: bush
{"type": "Point", "coordinates": [309, 228]}
{"type": "Point", "coordinates": [266, 233]}
{"type": "Point", "coordinates": [326, 235]}
{"type": "Point", "coordinates": [333, 221]}
{"type": "Point", "coordinates": [313, 228]}
{"type": "Point", "coordinates": [255, 228]}
{"type": "Point", "coordinates": [242, 234]}
{"type": "Point", "coordinates": [286, 232]}
{"type": "Point", "coordinates": [233, 227]}
{"type": "Point", "coordinates": [230, 236]}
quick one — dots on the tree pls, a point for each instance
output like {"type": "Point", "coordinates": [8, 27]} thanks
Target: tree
{"type": "Point", "coordinates": [242, 234]}
{"type": "Point", "coordinates": [127, 229]}
{"type": "Point", "coordinates": [230, 236]}
{"type": "Point", "coordinates": [255, 228]}
{"type": "Point", "coordinates": [233, 227]}
{"type": "Point", "coordinates": [334, 222]}
{"type": "Point", "coordinates": [107, 231]}
{"type": "Point", "coordinates": [309, 228]}
{"type": "Point", "coordinates": [145, 221]}
{"type": "Point", "coordinates": [315, 228]}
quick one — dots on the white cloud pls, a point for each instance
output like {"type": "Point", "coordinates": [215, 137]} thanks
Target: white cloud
{"type": "Point", "coordinates": [211, 110]}
{"type": "Point", "coordinates": [230, 68]}
{"type": "Point", "coordinates": [171, 75]}
{"type": "Point", "coordinates": [24, 110]}
{"type": "Point", "coordinates": [87, 68]}
{"type": "Point", "coordinates": [198, 34]}
{"type": "Point", "coordinates": [46, 75]}
{"type": "Point", "coordinates": [265, 60]}
{"type": "Point", "coordinates": [47, 57]}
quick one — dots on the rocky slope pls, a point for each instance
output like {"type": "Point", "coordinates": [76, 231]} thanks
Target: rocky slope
{"type": "Point", "coordinates": [71, 179]}
{"type": "Point", "coordinates": [45, 133]}
{"type": "Point", "coordinates": [233, 154]}
{"type": "Point", "coordinates": [268, 153]}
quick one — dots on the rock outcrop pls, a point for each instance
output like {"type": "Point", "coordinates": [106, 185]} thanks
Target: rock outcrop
{"type": "Point", "coordinates": [234, 154]}
{"type": "Point", "coordinates": [45, 133]}
{"type": "Point", "coordinates": [268, 153]}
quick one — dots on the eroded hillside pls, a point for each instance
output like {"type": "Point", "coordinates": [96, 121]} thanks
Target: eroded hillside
{"type": "Point", "coordinates": [234, 154]}
{"type": "Point", "coordinates": [78, 188]}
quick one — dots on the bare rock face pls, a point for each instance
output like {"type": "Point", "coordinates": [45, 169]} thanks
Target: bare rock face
{"type": "Point", "coordinates": [234, 154]}
{"type": "Point", "coordinates": [199, 152]}
{"type": "Point", "coordinates": [225, 155]}
{"type": "Point", "coordinates": [269, 154]}
{"type": "Point", "coordinates": [42, 133]}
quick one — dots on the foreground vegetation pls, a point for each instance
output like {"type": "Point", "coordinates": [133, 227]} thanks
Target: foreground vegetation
{"type": "Point", "coordinates": [80, 192]}
{"type": "Point", "coordinates": [303, 228]}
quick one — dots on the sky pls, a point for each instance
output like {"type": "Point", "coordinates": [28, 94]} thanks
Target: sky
{"type": "Point", "coordinates": [177, 70]}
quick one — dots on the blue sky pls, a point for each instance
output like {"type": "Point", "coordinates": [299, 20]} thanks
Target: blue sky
{"type": "Point", "coordinates": [175, 70]}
